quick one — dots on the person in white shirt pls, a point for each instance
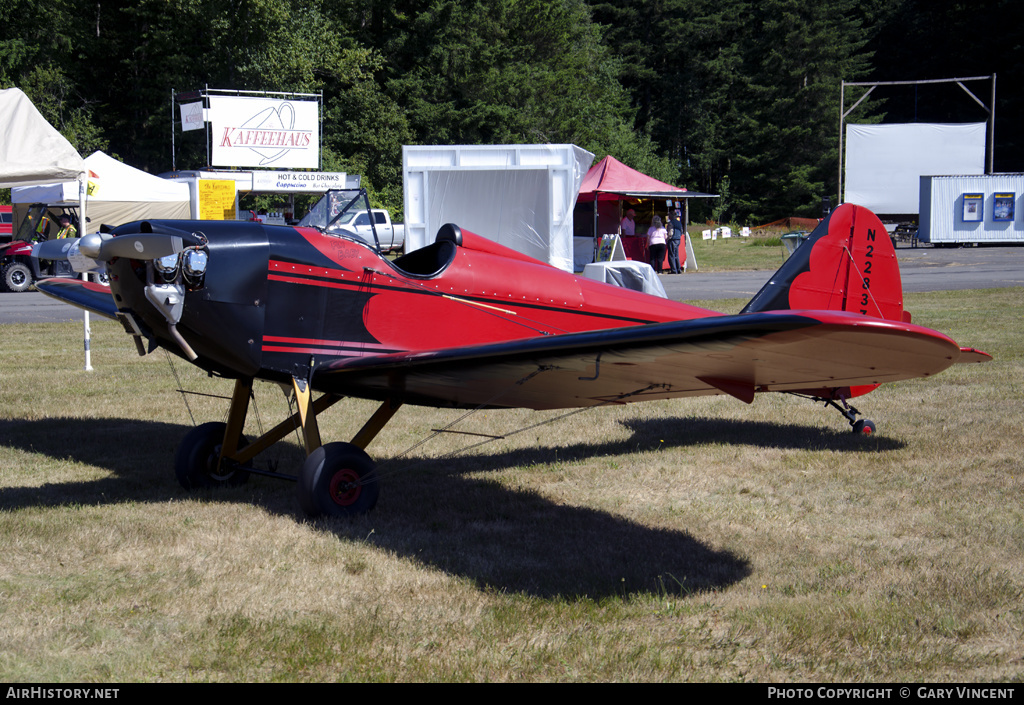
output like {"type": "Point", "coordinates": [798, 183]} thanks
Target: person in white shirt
{"type": "Point", "coordinates": [656, 242]}
{"type": "Point", "coordinates": [628, 225]}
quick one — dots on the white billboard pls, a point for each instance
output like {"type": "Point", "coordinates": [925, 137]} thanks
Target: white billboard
{"type": "Point", "coordinates": [301, 181]}
{"type": "Point", "coordinates": [269, 132]}
{"type": "Point", "coordinates": [885, 163]}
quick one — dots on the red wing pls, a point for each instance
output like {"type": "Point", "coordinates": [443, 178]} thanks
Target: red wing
{"type": "Point", "coordinates": [737, 355]}
{"type": "Point", "coordinates": [88, 296]}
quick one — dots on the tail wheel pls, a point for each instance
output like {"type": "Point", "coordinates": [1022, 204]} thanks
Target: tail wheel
{"type": "Point", "coordinates": [338, 479]}
{"type": "Point", "coordinates": [864, 427]}
{"type": "Point", "coordinates": [196, 462]}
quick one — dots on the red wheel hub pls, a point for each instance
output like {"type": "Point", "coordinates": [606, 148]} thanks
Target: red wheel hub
{"type": "Point", "coordinates": [344, 488]}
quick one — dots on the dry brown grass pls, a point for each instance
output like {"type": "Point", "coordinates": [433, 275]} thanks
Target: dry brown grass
{"type": "Point", "coordinates": [692, 540]}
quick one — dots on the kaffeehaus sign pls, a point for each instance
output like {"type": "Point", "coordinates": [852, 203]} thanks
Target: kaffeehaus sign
{"type": "Point", "coordinates": [264, 132]}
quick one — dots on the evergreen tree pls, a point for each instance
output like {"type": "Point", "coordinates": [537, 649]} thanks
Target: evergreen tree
{"type": "Point", "coordinates": [786, 151]}
{"type": "Point", "coordinates": [40, 54]}
{"type": "Point", "coordinates": [953, 39]}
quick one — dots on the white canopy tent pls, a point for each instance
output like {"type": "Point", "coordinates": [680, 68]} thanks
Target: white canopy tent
{"type": "Point", "coordinates": [117, 194]}
{"type": "Point", "coordinates": [33, 152]}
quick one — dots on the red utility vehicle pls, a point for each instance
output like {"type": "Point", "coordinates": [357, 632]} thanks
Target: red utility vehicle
{"type": "Point", "coordinates": [18, 269]}
{"type": "Point", "coordinates": [6, 223]}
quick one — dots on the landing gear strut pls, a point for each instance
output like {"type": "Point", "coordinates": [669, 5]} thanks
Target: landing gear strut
{"type": "Point", "coordinates": [862, 427]}
{"type": "Point", "coordinates": [337, 479]}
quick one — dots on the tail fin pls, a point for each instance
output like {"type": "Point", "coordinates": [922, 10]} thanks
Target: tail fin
{"type": "Point", "coordinates": [847, 264]}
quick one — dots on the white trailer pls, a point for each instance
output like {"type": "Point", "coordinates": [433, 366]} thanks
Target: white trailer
{"type": "Point", "coordinates": [972, 209]}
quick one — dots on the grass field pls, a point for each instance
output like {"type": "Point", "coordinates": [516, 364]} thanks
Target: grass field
{"type": "Point", "coordinates": [763, 251]}
{"type": "Point", "coordinates": [697, 540]}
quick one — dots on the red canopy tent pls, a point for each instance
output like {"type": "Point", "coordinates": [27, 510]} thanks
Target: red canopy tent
{"type": "Point", "coordinates": [612, 181]}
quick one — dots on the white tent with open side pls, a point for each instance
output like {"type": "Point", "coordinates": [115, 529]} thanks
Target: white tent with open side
{"type": "Point", "coordinates": [117, 194]}
{"type": "Point", "coordinates": [31, 150]}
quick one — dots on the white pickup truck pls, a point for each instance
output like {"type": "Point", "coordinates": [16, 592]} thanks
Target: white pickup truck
{"type": "Point", "coordinates": [357, 222]}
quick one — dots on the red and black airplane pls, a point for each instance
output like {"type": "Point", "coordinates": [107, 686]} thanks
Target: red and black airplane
{"type": "Point", "coordinates": [467, 323]}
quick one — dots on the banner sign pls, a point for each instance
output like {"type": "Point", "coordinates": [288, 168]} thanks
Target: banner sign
{"type": "Point", "coordinates": [299, 181]}
{"type": "Point", "coordinates": [265, 132]}
{"type": "Point", "coordinates": [191, 116]}
{"type": "Point", "coordinates": [216, 199]}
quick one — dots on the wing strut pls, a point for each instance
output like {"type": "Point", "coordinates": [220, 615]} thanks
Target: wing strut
{"type": "Point", "coordinates": [234, 450]}
{"type": "Point", "coordinates": [376, 423]}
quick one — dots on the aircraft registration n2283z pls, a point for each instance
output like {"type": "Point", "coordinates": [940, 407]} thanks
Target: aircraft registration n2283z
{"type": "Point", "coordinates": [467, 323]}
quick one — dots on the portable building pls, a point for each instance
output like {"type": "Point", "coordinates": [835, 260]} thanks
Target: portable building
{"type": "Point", "coordinates": [971, 209]}
{"type": "Point", "coordinates": [521, 196]}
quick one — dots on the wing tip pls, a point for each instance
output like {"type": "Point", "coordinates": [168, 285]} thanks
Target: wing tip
{"type": "Point", "coordinates": [89, 296]}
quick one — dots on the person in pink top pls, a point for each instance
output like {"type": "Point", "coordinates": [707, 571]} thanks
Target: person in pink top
{"type": "Point", "coordinates": [628, 224]}
{"type": "Point", "coordinates": [656, 243]}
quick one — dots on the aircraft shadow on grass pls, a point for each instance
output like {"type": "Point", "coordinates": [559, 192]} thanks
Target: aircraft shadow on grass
{"type": "Point", "coordinates": [441, 512]}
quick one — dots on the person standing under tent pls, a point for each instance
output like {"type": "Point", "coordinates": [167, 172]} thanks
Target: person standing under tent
{"type": "Point", "coordinates": [628, 224]}
{"type": "Point", "coordinates": [656, 238]}
{"type": "Point", "coordinates": [675, 236]}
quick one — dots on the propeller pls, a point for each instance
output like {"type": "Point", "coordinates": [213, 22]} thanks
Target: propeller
{"type": "Point", "coordinates": [132, 246]}
{"type": "Point", "coordinates": [146, 244]}
{"type": "Point", "coordinates": [54, 249]}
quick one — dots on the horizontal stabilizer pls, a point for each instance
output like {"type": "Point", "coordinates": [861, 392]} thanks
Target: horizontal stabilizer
{"type": "Point", "coordinates": [972, 355]}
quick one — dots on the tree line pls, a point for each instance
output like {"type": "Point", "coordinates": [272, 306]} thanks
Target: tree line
{"type": "Point", "coordinates": [733, 96]}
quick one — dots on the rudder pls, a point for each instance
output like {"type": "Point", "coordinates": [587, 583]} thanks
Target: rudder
{"type": "Point", "coordinates": [848, 263]}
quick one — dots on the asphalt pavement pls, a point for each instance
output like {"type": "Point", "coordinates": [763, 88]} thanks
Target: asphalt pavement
{"type": "Point", "coordinates": [923, 269]}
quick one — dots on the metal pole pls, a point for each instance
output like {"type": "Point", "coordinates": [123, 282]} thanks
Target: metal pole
{"type": "Point", "coordinates": [206, 94]}
{"type": "Point", "coordinates": [992, 128]}
{"type": "Point", "coordinates": [86, 331]}
{"type": "Point", "coordinates": [842, 99]}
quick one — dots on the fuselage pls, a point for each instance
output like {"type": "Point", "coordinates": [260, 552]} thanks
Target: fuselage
{"type": "Point", "coordinates": [278, 301]}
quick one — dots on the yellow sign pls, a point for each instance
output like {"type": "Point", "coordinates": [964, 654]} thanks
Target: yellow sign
{"type": "Point", "coordinates": [216, 199]}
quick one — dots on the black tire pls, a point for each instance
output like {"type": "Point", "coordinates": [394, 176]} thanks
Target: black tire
{"type": "Point", "coordinates": [338, 479]}
{"type": "Point", "coordinates": [17, 277]}
{"type": "Point", "coordinates": [195, 461]}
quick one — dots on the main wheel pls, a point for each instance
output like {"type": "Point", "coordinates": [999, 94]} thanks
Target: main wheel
{"type": "Point", "coordinates": [864, 427]}
{"type": "Point", "coordinates": [17, 277]}
{"type": "Point", "coordinates": [338, 479]}
{"type": "Point", "coordinates": [195, 462]}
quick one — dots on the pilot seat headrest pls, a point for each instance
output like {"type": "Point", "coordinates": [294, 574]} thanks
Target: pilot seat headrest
{"type": "Point", "coordinates": [450, 232]}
